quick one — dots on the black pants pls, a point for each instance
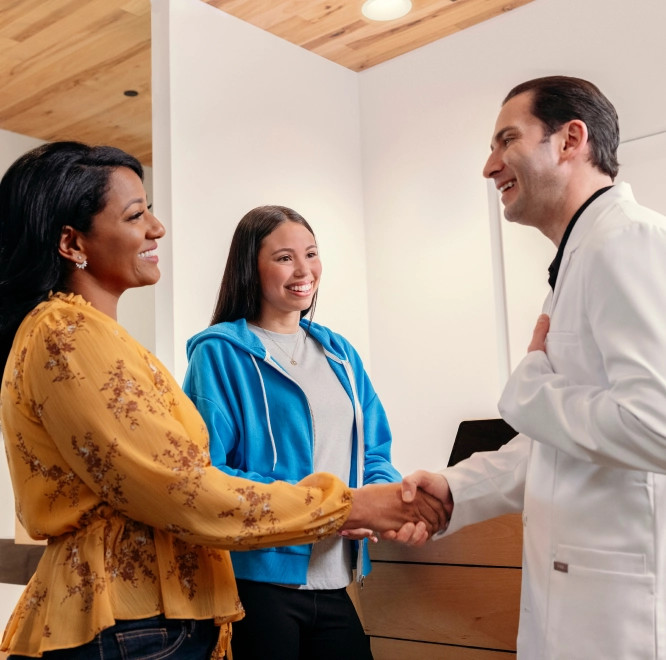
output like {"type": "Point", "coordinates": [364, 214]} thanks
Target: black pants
{"type": "Point", "coordinates": [297, 624]}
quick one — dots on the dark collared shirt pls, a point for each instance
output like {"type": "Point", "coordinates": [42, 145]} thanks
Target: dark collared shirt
{"type": "Point", "coordinates": [554, 267]}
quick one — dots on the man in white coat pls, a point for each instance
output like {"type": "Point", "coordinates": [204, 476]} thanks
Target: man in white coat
{"type": "Point", "coordinates": [589, 399]}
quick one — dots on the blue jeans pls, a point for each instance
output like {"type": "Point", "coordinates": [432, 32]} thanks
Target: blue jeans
{"type": "Point", "coordinates": [156, 638]}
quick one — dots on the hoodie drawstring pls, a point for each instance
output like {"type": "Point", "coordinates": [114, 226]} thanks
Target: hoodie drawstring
{"type": "Point", "coordinates": [268, 417]}
{"type": "Point", "coordinates": [360, 450]}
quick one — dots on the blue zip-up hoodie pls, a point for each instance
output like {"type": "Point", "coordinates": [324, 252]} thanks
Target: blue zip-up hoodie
{"type": "Point", "coordinates": [261, 428]}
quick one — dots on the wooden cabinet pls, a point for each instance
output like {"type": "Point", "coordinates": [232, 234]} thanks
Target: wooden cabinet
{"type": "Point", "coordinates": [453, 599]}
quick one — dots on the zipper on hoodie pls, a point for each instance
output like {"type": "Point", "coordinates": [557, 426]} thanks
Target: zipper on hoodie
{"type": "Point", "coordinates": [358, 422]}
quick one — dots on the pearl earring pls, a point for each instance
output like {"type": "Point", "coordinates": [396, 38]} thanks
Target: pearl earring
{"type": "Point", "coordinates": [83, 265]}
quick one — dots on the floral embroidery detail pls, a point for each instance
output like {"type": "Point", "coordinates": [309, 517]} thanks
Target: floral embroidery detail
{"type": "Point", "coordinates": [128, 396]}
{"type": "Point", "coordinates": [186, 567]}
{"type": "Point", "coordinates": [37, 409]}
{"type": "Point", "coordinates": [187, 462]}
{"type": "Point", "coordinates": [257, 506]}
{"type": "Point", "coordinates": [89, 583]}
{"type": "Point", "coordinates": [35, 595]}
{"type": "Point", "coordinates": [59, 343]}
{"type": "Point", "coordinates": [177, 530]}
{"type": "Point", "coordinates": [134, 556]}
{"type": "Point", "coordinates": [65, 482]}
{"type": "Point", "coordinates": [17, 375]}
{"type": "Point", "coordinates": [324, 529]}
{"type": "Point", "coordinates": [100, 467]}
{"type": "Point", "coordinates": [161, 383]}
{"type": "Point", "coordinates": [125, 394]}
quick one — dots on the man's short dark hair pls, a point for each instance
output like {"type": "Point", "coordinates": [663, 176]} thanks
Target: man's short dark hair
{"type": "Point", "coordinates": [559, 99]}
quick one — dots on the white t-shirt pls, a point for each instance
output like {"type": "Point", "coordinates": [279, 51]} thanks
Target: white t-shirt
{"type": "Point", "coordinates": [333, 423]}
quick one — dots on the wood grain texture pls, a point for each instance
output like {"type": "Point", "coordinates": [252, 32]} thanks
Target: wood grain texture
{"type": "Point", "coordinates": [462, 605]}
{"type": "Point", "coordinates": [397, 649]}
{"type": "Point", "coordinates": [496, 542]}
{"type": "Point", "coordinates": [455, 598]}
{"type": "Point", "coordinates": [339, 32]}
{"type": "Point", "coordinates": [64, 64]}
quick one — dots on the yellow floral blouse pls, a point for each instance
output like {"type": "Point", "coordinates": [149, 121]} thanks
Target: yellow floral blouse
{"type": "Point", "coordinates": [109, 462]}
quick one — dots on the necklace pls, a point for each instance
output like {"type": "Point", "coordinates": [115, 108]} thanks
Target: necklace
{"type": "Point", "coordinates": [293, 352]}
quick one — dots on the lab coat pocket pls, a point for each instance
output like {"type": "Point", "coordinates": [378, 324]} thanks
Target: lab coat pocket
{"type": "Point", "coordinates": [601, 605]}
{"type": "Point", "coordinates": [560, 337]}
{"type": "Point", "coordinates": [565, 352]}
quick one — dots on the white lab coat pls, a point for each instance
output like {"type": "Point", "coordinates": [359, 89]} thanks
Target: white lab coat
{"type": "Point", "coordinates": [591, 480]}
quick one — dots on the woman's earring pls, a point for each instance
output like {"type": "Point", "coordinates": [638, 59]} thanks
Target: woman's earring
{"type": "Point", "coordinates": [83, 264]}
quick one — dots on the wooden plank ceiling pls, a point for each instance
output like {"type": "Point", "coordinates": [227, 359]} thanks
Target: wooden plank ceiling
{"type": "Point", "coordinates": [65, 65]}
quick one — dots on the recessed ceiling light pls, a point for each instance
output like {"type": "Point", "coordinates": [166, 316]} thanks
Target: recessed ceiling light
{"type": "Point", "coordinates": [385, 10]}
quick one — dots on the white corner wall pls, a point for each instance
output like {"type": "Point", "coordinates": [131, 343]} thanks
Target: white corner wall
{"type": "Point", "coordinates": [136, 307]}
{"type": "Point", "coordinates": [386, 165]}
{"type": "Point", "coordinates": [253, 120]}
{"type": "Point", "coordinates": [12, 145]}
{"type": "Point", "coordinates": [426, 122]}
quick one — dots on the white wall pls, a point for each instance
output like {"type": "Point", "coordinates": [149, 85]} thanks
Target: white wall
{"type": "Point", "coordinates": [13, 145]}
{"type": "Point", "coordinates": [432, 313]}
{"type": "Point", "coordinates": [136, 308]}
{"type": "Point", "coordinates": [643, 165]}
{"type": "Point", "coordinates": [253, 120]}
{"type": "Point", "coordinates": [427, 118]}
{"type": "Point", "coordinates": [387, 166]}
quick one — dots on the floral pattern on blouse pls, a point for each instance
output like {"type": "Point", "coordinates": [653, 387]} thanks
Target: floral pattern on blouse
{"type": "Point", "coordinates": [109, 462]}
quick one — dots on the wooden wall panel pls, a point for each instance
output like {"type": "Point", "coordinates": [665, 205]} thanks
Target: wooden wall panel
{"type": "Point", "coordinates": [464, 605]}
{"type": "Point", "coordinates": [455, 598]}
{"type": "Point", "coordinates": [496, 542]}
{"type": "Point", "coordinates": [398, 649]}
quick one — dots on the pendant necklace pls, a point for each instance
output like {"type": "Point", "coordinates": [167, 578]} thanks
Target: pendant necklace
{"type": "Point", "coordinates": [291, 357]}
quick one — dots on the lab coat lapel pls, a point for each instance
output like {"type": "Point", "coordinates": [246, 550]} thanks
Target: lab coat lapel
{"type": "Point", "coordinates": [578, 234]}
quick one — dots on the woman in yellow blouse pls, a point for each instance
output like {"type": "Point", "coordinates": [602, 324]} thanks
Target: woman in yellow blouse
{"type": "Point", "coordinates": [109, 459]}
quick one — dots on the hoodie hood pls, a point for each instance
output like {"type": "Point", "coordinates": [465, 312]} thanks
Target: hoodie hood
{"type": "Point", "coordinates": [239, 334]}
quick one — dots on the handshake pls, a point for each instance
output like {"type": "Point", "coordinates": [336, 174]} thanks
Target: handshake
{"type": "Point", "coordinates": [410, 512]}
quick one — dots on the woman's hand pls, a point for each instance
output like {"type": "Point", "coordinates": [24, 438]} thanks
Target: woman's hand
{"type": "Point", "coordinates": [381, 507]}
{"type": "Point", "coordinates": [359, 534]}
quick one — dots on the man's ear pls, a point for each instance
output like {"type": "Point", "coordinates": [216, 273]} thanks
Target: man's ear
{"type": "Point", "coordinates": [574, 139]}
{"type": "Point", "coordinates": [69, 246]}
